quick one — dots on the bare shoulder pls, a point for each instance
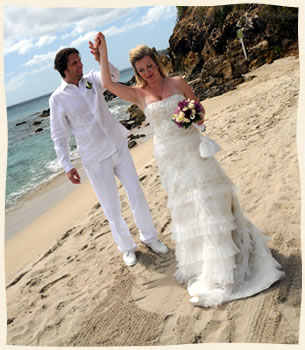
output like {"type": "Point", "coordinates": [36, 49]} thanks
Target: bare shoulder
{"type": "Point", "coordinates": [177, 79]}
{"type": "Point", "coordinates": [182, 85]}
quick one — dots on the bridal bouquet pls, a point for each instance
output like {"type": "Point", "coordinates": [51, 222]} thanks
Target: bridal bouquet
{"type": "Point", "coordinates": [187, 113]}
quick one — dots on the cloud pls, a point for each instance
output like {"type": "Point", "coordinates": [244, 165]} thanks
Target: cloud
{"type": "Point", "coordinates": [38, 25]}
{"type": "Point", "coordinates": [83, 38]}
{"type": "Point", "coordinates": [44, 40]}
{"type": "Point", "coordinates": [156, 13]}
{"type": "Point", "coordinates": [153, 15]}
{"type": "Point", "coordinates": [37, 59]}
{"type": "Point", "coordinates": [22, 47]}
{"type": "Point", "coordinates": [94, 21]}
{"type": "Point", "coordinates": [18, 80]}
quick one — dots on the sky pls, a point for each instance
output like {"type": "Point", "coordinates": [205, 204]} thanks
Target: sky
{"type": "Point", "coordinates": [30, 44]}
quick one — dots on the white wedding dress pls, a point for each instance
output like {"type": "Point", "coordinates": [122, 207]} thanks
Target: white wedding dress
{"type": "Point", "coordinates": [220, 254]}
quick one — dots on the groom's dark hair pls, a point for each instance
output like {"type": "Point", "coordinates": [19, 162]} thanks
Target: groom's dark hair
{"type": "Point", "coordinates": [61, 59]}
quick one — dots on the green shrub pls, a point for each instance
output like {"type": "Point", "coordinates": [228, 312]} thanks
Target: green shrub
{"type": "Point", "coordinates": [240, 6]}
{"type": "Point", "coordinates": [277, 50]}
{"type": "Point", "coordinates": [180, 12]}
{"type": "Point", "coordinates": [220, 13]}
{"type": "Point", "coordinates": [281, 19]}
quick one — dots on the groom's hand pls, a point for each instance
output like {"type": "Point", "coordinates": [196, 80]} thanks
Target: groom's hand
{"type": "Point", "coordinates": [73, 176]}
{"type": "Point", "coordinates": [94, 50]}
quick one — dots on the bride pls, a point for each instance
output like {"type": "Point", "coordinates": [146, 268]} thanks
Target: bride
{"type": "Point", "coordinates": [221, 255]}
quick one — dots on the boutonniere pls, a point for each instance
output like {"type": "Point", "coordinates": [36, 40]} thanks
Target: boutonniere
{"type": "Point", "coordinates": [88, 85]}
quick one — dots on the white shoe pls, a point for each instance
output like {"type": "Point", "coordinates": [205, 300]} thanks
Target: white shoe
{"type": "Point", "coordinates": [130, 258]}
{"type": "Point", "coordinates": [158, 247]}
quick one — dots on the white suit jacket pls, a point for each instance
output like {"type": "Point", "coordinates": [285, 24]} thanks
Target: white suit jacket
{"type": "Point", "coordinates": [83, 111]}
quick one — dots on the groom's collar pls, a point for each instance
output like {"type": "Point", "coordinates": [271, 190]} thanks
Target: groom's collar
{"type": "Point", "coordinates": [64, 84]}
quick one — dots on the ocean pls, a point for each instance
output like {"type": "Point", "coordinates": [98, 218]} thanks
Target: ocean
{"type": "Point", "coordinates": [31, 159]}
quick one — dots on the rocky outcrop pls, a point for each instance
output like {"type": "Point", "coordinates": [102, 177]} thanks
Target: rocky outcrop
{"type": "Point", "coordinates": [205, 46]}
{"type": "Point", "coordinates": [136, 118]}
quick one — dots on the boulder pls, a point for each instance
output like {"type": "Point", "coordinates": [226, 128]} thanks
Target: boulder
{"type": "Point", "coordinates": [134, 137]}
{"type": "Point", "coordinates": [109, 95]}
{"type": "Point", "coordinates": [136, 115]}
{"type": "Point", "coordinates": [17, 124]}
{"type": "Point", "coordinates": [45, 113]}
{"type": "Point", "coordinates": [132, 144]}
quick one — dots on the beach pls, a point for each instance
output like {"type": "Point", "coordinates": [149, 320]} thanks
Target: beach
{"type": "Point", "coordinates": [66, 281]}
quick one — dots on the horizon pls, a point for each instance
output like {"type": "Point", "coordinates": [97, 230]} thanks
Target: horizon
{"type": "Point", "coordinates": [49, 93]}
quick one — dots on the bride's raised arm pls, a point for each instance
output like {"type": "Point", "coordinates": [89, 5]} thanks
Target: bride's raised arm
{"type": "Point", "coordinates": [129, 93]}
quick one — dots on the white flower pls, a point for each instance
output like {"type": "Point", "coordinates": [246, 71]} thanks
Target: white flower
{"type": "Point", "coordinates": [181, 115]}
{"type": "Point", "coordinates": [186, 120]}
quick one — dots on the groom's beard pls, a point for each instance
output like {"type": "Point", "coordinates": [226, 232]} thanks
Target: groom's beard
{"type": "Point", "coordinates": [76, 76]}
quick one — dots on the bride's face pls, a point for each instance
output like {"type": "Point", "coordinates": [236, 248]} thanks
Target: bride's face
{"type": "Point", "coordinates": [147, 69]}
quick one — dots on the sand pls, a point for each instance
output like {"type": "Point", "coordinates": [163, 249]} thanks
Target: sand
{"type": "Point", "coordinates": [66, 281]}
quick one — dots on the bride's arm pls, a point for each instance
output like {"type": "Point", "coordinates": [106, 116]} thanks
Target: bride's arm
{"type": "Point", "coordinates": [129, 93]}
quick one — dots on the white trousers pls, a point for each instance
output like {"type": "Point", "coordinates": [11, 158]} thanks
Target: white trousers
{"type": "Point", "coordinates": [102, 178]}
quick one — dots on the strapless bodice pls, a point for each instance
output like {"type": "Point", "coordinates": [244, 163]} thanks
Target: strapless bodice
{"type": "Point", "coordinates": [159, 114]}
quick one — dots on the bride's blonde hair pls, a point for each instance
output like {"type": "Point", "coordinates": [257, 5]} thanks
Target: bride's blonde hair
{"type": "Point", "coordinates": [140, 52]}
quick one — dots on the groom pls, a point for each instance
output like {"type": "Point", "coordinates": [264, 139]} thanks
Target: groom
{"type": "Point", "coordinates": [78, 106]}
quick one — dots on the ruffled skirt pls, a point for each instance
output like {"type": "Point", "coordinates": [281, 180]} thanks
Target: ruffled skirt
{"type": "Point", "coordinates": [220, 254]}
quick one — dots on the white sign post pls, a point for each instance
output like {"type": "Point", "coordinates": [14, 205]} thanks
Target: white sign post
{"type": "Point", "coordinates": [240, 36]}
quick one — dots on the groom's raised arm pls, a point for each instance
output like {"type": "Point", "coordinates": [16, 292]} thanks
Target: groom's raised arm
{"type": "Point", "coordinates": [114, 72]}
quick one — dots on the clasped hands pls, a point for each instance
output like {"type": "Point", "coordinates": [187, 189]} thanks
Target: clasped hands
{"type": "Point", "coordinates": [98, 46]}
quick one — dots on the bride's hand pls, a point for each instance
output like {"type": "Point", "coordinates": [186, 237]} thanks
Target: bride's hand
{"type": "Point", "coordinates": [100, 43]}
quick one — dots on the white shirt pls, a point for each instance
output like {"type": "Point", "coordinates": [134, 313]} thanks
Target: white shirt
{"type": "Point", "coordinates": [84, 112]}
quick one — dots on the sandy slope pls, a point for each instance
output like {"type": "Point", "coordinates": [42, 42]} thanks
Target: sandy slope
{"type": "Point", "coordinates": [79, 293]}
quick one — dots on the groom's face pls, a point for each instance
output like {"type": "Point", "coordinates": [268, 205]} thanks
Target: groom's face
{"type": "Point", "coordinates": [74, 70]}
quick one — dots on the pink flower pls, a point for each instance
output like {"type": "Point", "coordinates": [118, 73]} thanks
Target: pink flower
{"type": "Point", "coordinates": [190, 110]}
